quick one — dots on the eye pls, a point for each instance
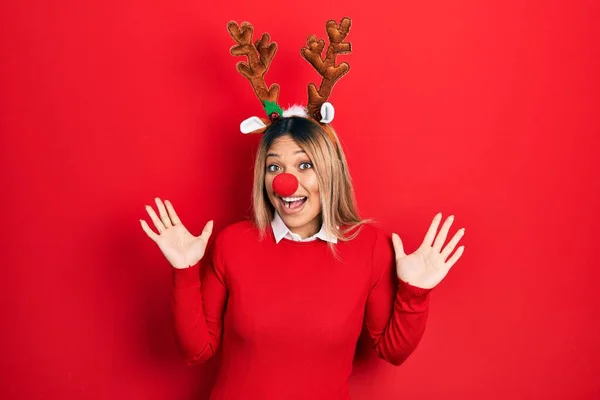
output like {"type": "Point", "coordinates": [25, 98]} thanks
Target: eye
{"type": "Point", "coordinates": [305, 165]}
{"type": "Point", "coordinates": [273, 168]}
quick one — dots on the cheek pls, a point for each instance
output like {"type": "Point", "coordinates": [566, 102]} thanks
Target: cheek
{"type": "Point", "coordinates": [311, 184]}
{"type": "Point", "coordinates": [269, 184]}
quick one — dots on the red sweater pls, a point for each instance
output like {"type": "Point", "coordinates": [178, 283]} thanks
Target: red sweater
{"type": "Point", "coordinates": [288, 315]}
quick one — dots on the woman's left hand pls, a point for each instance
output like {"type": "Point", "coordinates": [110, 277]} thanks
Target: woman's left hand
{"type": "Point", "coordinates": [427, 266]}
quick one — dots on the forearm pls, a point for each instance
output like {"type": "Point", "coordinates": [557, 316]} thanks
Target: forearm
{"type": "Point", "coordinates": [197, 339]}
{"type": "Point", "coordinates": [406, 324]}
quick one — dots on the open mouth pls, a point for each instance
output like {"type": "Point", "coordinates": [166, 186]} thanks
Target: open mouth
{"type": "Point", "coordinates": [292, 203]}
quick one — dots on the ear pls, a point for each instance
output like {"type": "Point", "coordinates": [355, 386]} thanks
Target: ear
{"type": "Point", "coordinates": [253, 125]}
{"type": "Point", "coordinates": [327, 112]}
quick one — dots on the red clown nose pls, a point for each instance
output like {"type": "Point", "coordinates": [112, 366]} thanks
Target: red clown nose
{"type": "Point", "coordinates": [285, 185]}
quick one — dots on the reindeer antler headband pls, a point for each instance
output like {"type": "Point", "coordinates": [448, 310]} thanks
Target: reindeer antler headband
{"type": "Point", "coordinates": [261, 53]}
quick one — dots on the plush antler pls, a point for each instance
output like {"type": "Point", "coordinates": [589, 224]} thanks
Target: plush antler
{"type": "Point", "coordinates": [259, 56]}
{"type": "Point", "coordinates": [326, 67]}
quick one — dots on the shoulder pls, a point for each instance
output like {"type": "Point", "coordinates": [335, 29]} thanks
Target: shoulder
{"type": "Point", "coordinates": [378, 241]}
{"type": "Point", "coordinates": [370, 233]}
{"type": "Point", "coordinates": [237, 232]}
{"type": "Point", "coordinates": [236, 237]}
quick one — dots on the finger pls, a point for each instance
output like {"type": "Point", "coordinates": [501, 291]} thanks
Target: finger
{"type": "Point", "coordinates": [149, 231]}
{"type": "Point", "coordinates": [174, 217]}
{"type": "Point", "coordinates": [207, 231]}
{"type": "Point", "coordinates": [163, 213]}
{"type": "Point", "coordinates": [398, 247]}
{"type": "Point", "coordinates": [443, 234]}
{"type": "Point", "coordinates": [455, 257]}
{"type": "Point", "coordinates": [430, 235]}
{"type": "Point", "coordinates": [157, 222]}
{"type": "Point", "coordinates": [452, 243]}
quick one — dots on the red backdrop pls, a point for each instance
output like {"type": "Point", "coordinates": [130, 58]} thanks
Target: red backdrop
{"type": "Point", "coordinates": [487, 110]}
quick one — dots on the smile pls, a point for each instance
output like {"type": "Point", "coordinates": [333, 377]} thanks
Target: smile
{"type": "Point", "coordinates": [292, 205]}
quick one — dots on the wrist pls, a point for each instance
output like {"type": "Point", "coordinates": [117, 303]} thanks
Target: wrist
{"type": "Point", "coordinates": [412, 291]}
{"type": "Point", "coordinates": [186, 277]}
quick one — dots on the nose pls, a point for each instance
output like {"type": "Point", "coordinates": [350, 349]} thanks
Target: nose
{"type": "Point", "coordinates": [285, 184]}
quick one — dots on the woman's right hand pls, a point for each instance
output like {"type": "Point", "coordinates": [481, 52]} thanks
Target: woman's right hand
{"type": "Point", "coordinates": [180, 247]}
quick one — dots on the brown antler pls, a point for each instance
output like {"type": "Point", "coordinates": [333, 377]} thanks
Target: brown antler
{"type": "Point", "coordinates": [259, 59]}
{"type": "Point", "coordinates": [326, 67]}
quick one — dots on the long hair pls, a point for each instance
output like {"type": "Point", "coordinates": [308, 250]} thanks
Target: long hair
{"type": "Point", "coordinates": [339, 213]}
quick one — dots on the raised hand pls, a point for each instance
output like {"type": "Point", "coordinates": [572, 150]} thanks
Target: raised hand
{"type": "Point", "coordinates": [427, 266]}
{"type": "Point", "coordinates": [180, 247]}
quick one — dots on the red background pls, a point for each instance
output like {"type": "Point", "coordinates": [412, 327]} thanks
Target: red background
{"type": "Point", "coordinates": [487, 110]}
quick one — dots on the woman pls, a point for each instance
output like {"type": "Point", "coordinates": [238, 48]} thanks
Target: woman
{"type": "Point", "coordinates": [287, 295]}
{"type": "Point", "coordinates": [286, 309]}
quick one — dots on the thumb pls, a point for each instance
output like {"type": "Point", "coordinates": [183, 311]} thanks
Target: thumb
{"type": "Point", "coordinates": [398, 247]}
{"type": "Point", "coordinates": [207, 231]}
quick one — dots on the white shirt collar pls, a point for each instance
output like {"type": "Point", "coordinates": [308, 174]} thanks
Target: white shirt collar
{"type": "Point", "coordinates": [280, 231]}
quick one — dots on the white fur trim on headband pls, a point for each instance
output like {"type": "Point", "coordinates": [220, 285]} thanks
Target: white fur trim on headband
{"type": "Point", "coordinates": [296, 111]}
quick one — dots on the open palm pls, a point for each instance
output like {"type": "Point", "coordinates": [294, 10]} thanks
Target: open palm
{"type": "Point", "coordinates": [427, 266]}
{"type": "Point", "coordinates": [179, 246]}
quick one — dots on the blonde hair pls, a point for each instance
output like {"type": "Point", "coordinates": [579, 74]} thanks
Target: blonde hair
{"type": "Point", "coordinates": [339, 213]}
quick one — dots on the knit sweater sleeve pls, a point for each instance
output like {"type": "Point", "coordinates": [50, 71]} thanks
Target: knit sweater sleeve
{"type": "Point", "coordinates": [396, 312]}
{"type": "Point", "coordinates": [198, 302]}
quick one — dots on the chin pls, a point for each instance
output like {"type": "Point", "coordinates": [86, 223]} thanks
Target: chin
{"type": "Point", "coordinates": [299, 221]}
{"type": "Point", "coordinates": [295, 221]}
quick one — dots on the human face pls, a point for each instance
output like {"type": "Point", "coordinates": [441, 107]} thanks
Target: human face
{"type": "Point", "coordinates": [302, 217]}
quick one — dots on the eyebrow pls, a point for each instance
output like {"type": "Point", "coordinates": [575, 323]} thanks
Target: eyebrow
{"type": "Point", "coordinates": [279, 155]}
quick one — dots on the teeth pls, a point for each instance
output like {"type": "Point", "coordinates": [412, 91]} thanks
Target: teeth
{"type": "Point", "coordinates": [292, 198]}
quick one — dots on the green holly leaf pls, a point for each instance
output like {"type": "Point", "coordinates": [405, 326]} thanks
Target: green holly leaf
{"type": "Point", "coordinates": [272, 107]}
